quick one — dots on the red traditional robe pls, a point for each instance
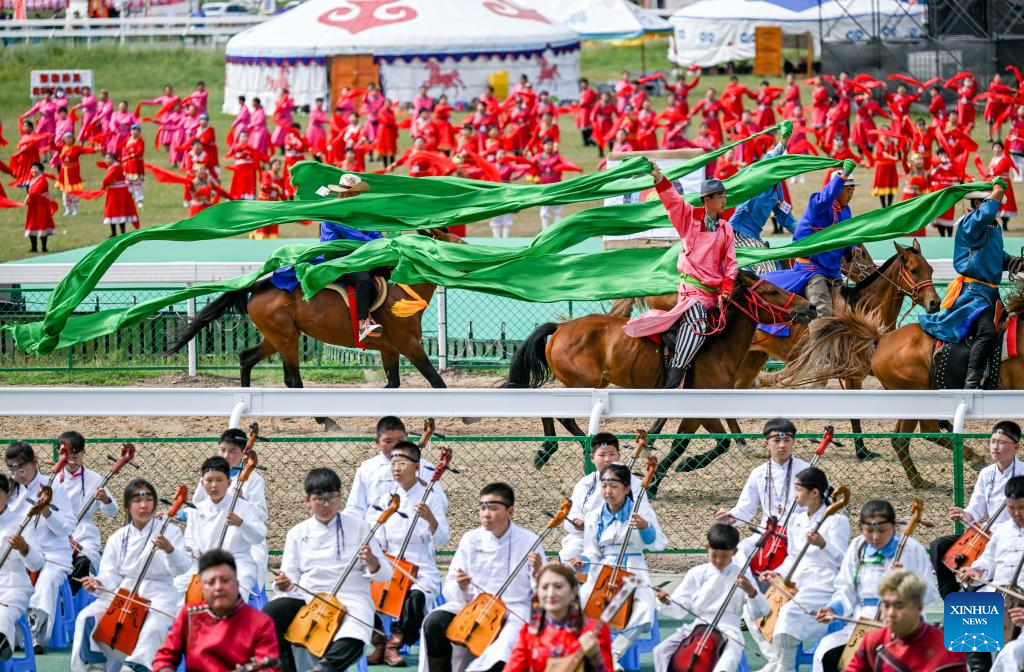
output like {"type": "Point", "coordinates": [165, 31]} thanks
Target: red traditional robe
{"type": "Point", "coordinates": [39, 208]}
{"type": "Point", "coordinates": [533, 649]}
{"type": "Point", "coordinates": [210, 644]}
{"type": "Point", "coordinates": [921, 651]}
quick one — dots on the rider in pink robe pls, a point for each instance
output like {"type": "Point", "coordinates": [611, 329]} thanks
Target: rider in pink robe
{"type": "Point", "coordinates": [707, 268]}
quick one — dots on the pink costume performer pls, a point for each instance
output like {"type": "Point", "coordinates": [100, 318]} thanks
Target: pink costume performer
{"type": "Point", "coordinates": [88, 108]}
{"type": "Point", "coordinates": [707, 269]}
{"type": "Point", "coordinates": [259, 137]}
{"type": "Point", "coordinates": [46, 108]}
{"type": "Point", "coordinates": [283, 119]}
{"type": "Point", "coordinates": [316, 131]}
{"type": "Point", "coordinates": [121, 123]}
{"type": "Point", "coordinates": [241, 122]}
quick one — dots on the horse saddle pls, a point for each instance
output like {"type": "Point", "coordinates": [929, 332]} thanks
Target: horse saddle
{"type": "Point", "coordinates": [380, 292]}
{"type": "Point", "coordinates": [949, 360]}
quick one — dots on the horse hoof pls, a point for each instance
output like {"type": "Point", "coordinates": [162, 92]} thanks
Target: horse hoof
{"type": "Point", "coordinates": [922, 484]}
{"type": "Point", "coordinates": [542, 456]}
{"type": "Point", "coordinates": [329, 425]}
{"type": "Point", "coordinates": [867, 455]}
{"type": "Point", "coordinates": [978, 464]}
{"type": "Point", "coordinates": [470, 421]}
{"type": "Point", "coordinates": [745, 448]}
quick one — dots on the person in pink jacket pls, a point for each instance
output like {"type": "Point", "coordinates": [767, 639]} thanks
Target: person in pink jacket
{"type": "Point", "coordinates": [259, 136]}
{"type": "Point", "coordinates": [707, 270]}
{"type": "Point", "coordinates": [316, 129]}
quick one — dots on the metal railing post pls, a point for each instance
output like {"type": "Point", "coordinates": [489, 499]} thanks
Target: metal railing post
{"type": "Point", "coordinates": [442, 328]}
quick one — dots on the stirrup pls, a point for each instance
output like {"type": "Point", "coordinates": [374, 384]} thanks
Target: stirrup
{"type": "Point", "coordinates": [370, 329]}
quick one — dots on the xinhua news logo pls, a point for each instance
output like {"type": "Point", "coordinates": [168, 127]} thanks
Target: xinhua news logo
{"type": "Point", "coordinates": [973, 622]}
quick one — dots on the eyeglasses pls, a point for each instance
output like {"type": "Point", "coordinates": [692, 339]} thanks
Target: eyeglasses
{"type": "Point", "coordinates": [1000, 443]}
{"type": "Point", "coordinates": [16, 467]}
{"type": "Point", "coordinates": [325, 499]}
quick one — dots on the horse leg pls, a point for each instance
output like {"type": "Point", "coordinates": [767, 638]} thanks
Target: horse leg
{"type": "Point", "coordinates": [902, 447]}
{"type": "Point", "coordinates": [863, 454]}
{"type": "Point", "coordinates": [548, 448]}
{"type": "Point", "coordinates": [741, 443]}
{"type": "Point", "coordinates": [656, 428]}
{"type": "Point", "coordinates": [746, 375]}
{"type": "Point", "coordinates": [389, 361]}
{"type": "Point", "coordinates": [676, 450]}
{"type": "Point", "coordinates": [289, 351]}
{"type": "Point", "coordinates": [694, 462]}
{"type": "Point", "coordinates": [573, 428]}
{"type": "Point", "coordinates": [247, 359]}
{"type": "Point", "coordinates": [976, 461]}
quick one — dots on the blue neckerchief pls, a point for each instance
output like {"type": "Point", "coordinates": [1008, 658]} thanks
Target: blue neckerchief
{"type": "Point", "coordinates": [607, 517]}
{"type": "Point", "coordinates": [235, 471]}
{"type": "Point", "coordinates": [886, 551]}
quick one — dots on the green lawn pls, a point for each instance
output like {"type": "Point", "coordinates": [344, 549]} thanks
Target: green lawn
{"type": "Point", "coordinates": [136, 73]}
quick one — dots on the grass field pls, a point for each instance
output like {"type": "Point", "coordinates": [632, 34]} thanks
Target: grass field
{"type": "Point", "coordinates": [137, 73]}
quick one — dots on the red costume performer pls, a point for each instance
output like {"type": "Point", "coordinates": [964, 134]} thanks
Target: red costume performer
{"type": "Point", "coordinates": [246, 170]}
{"type": "Point", "coordinates": [208, 643]}
{"type": "Point", "coordinates": [272, 188]}
{"type": "Point", "coordinates": [39, 210]}
{"type": "Point", "coordinates": [922, 651]}
{"type": "Point", "coordinates": [534, 649]}
{"type": "Point", "coordinates": [887, 181]}
{"type": "Point", "coordinates": [119, 208]}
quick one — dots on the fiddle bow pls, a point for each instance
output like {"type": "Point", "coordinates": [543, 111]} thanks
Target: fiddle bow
{"type": "Point", "coordinates": [389, 596]}
{"type": "Point", "coordinates": [478, 624]}
{"type": "Point", "coordinates": [194, 592]}
{"type": "Point", "coordinates": [971, 544]}
{"type": "Point", "coordinates": [127, 455]}
{"type": "Point", "coordinates": [42, 500]}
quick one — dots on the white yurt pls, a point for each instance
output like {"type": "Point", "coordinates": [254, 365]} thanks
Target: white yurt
{"type": "Point", "coordinates": [456, 47]}
{"type": "Point", "coordinates": [711, 32]}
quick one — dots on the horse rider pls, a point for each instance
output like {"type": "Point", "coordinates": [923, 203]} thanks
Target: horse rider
{"type": "Point", "coordinates": [362, 281]}
{"type": "Point", "coordinates": [707, 270]}
{"type": "Point", "coordinates": [816, 275]}
{"type": "Point", "coordinates": [970, 303]}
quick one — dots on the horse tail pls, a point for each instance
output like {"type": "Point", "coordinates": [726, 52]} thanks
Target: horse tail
{"type": "Point", "coordinates": [237, 300]}
{"type": "Point", "coordinates": [840, 346]}
{"type": "Point", "coordinates": [529, 367]}
{"type": "Point", "coordinates": [624, 307]}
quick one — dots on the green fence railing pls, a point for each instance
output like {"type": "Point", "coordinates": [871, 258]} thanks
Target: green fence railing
{"type": "Point", "coordinates": [684, 503]}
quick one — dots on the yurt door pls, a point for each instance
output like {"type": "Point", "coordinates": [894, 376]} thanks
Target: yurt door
{"type": "Point", "coordinates": [352, 71]}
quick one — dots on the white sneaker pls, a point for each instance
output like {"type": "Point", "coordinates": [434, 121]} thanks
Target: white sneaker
{"type": "Point", "coordinates": [370, 329]}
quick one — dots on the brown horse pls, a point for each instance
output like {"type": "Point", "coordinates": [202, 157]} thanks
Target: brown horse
{"type": "Point", "coordinates": [282, 317]}
{"type": "Point", "coordinates": [905, 274]}
{"type": "Point", "coordinates": [855, 343]}
{"type": "Point", "coordinates": [594, 351]}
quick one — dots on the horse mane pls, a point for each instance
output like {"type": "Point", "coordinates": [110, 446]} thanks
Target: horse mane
{"type": "Point", "coordinates": [1015, 299]}
{"type": "Point", "coordinates": [840, 346]}
{"type": "Point", "coordinates": [851, 294]}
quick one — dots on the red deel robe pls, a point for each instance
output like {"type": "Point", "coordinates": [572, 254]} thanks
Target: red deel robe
{"type": "Point", "coordinates": [533, 649]}
{"type": "Point", "coordinates": [211, 644]}
{"type": "Point", "coordinates": [922, 651]}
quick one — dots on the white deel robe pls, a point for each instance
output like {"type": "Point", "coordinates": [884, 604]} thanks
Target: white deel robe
{"type": "Point", "coordinates": [254, 490]}
{"type": "Point", "coordinates": [1011, 658]}
{"type": "Point", "coordinates": [586, 496]}
{"type": "Point", "coordinates": [814, 578]}
{"type": "Point", "coordinates": [420, 551]}
{"type": "Point", "coordinates": [770, 489]}
{"type": "Point", "coordinates": [203, 530]}
{"type": "Point", "coordinates": [123, 558]}
{"type": "Point", "coordinates": [489, 560]}
{"type": "Point", "coordinates": [15, 586]}
{"type": "Point", "coordinates": [989, 491]}
{"type": "Point", "coordinates": [702, 591]}
{"type": "Point", "coordinates": [51, 538]}
{"type": "Point", "coordinates": [1001, 555]}
{"type": "Point", "coordinates": [855, 591]}
{"type": "Point", "coordinates": [373, 480]}
{"type": "Point", "coordinates": [78, 488]}
{"type": "Point", "coordinates": [316, 554]}
{"type": "Point", "coordinates": [605, 550]}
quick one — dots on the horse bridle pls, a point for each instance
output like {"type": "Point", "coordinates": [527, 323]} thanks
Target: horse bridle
{"type": "Point", "coordinates": [755, 302]}
{"type": "Point", "coordinates": [916, 288]}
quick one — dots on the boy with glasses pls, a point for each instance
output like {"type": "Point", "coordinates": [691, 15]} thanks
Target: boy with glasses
{"type": "Point", "coordinates": [986, 497]}
{"type": "Point", "coordinates": [316, 551]}
{"type": "Point", "coordinates": [51, 533]}
{"type": "Point", "coordinates": [485, 558]}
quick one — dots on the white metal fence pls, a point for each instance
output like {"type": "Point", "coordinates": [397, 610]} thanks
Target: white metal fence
{"type": "Point", "coordinates": [185, 29]}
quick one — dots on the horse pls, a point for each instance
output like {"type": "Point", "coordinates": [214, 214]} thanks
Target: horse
{"type": "Point", "coordinates": [905, 274]}
{"type": "Point", "coordinates": [282, 317]}
{"type": "Point", "coordinates": [855, 343]}
{"type": "Point", "coordinates": [594, 351]}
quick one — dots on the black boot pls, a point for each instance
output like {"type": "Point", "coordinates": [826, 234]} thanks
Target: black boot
{"type": "Point", "coordinates": [674, 377]}
{"type": "Point", "coordinates": [981, 349]}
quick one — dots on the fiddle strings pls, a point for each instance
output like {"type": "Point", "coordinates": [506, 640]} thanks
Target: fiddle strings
{"type": "Point", "coordinates": [702, 620]}
{"type": "Point", "coordinates": [482, 590]}
{"type": "Point", "coordinates": [317, 596]}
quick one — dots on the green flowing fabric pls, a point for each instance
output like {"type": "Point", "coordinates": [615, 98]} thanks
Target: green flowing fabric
{"type": "Point", "coordinates": [538, 272]}
{"type": "Point", "coordinates": [380, 211]}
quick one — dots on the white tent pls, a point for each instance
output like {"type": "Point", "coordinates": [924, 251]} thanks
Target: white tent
{"type": "Point", "coordinates": [603, 19]}
{"type": "Point", "coordinates": [452, 46]}
{"type": "Point", "coordinates": [710, 32]}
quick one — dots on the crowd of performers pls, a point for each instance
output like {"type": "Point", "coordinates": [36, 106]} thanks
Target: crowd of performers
{"type": "Point", "coordinates": [356, 580]}
{"type": "Point", "coordinates": [855, 117]}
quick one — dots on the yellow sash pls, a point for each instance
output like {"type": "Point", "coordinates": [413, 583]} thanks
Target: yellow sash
{"type": "Point", "coordinates": [955, 287]}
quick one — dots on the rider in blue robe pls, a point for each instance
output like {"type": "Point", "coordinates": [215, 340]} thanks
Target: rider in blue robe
{"type": "Point", "coordinates": [750, 216]}
{"type": "Point", "coordinates": [979, 260]}
{"type": "Point", "coordinates": [815, 276]}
